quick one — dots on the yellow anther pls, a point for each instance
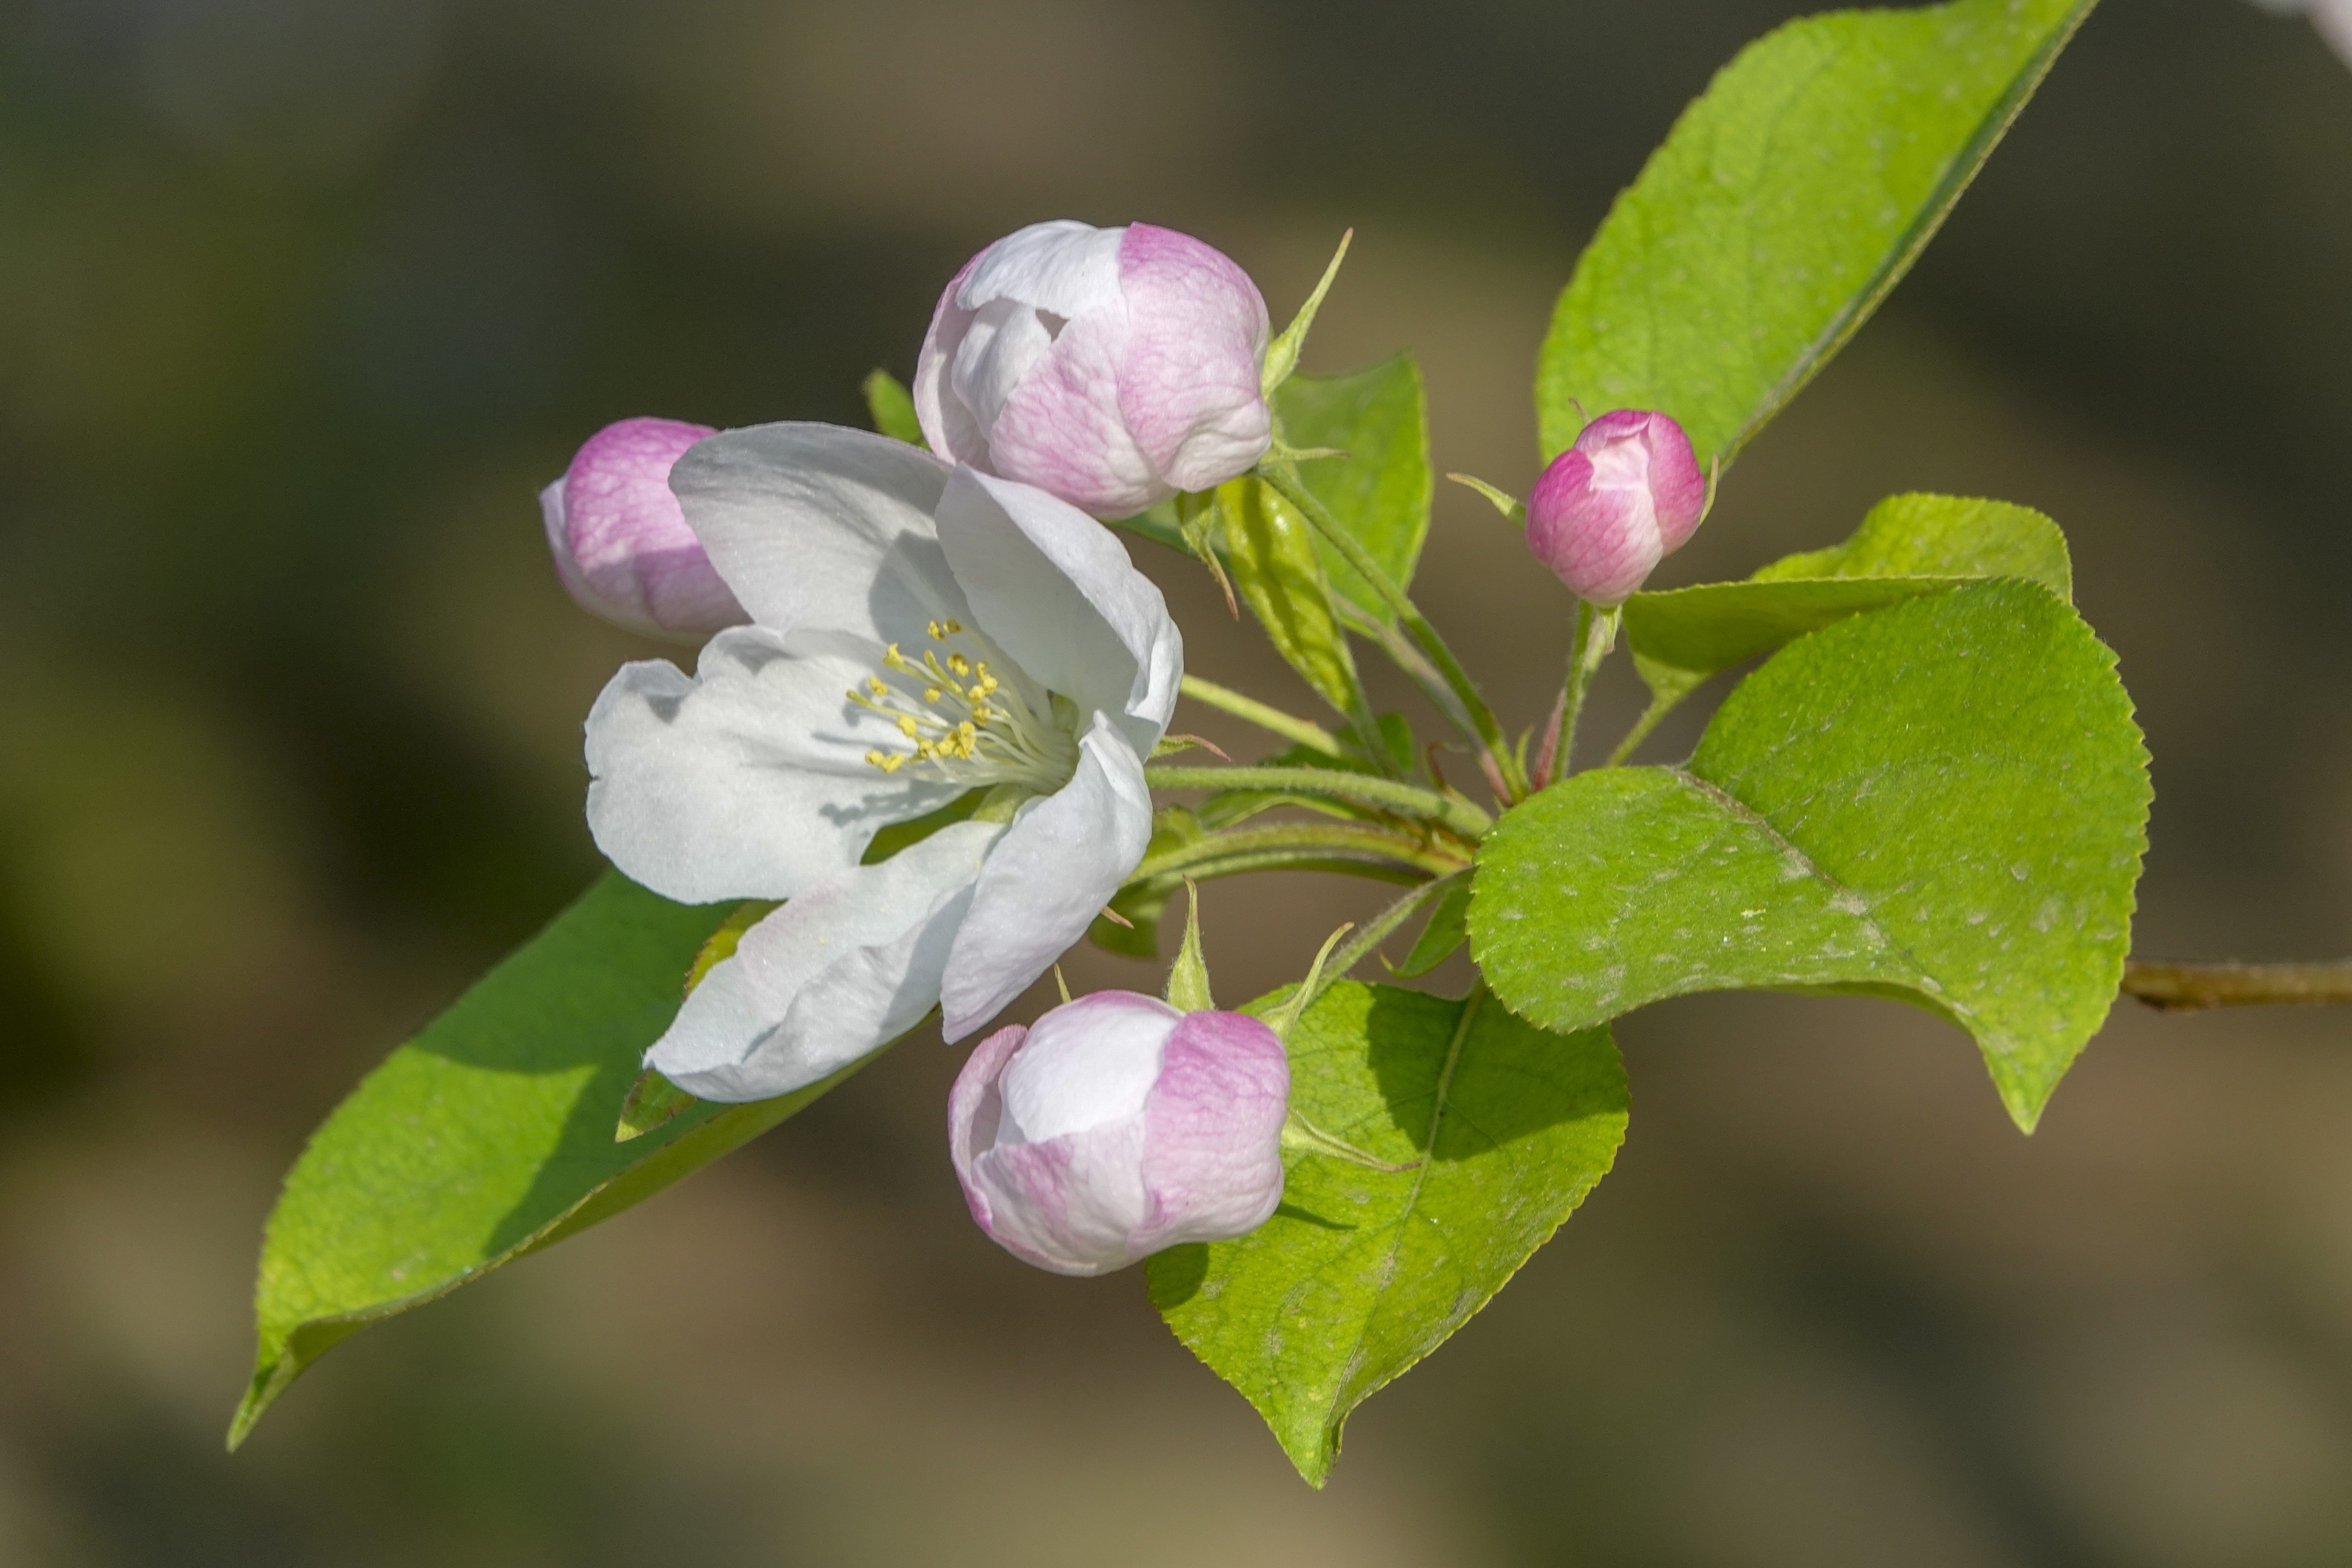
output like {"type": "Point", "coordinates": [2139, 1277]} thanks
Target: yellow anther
{"type": "Point", "coordinates": [893, 657]}
{"type": "Point", "coordinates": [931, 694]}
{"type": "Point", "coordinates": [959, 664]}
{"type": "Point", "coordinates": [954, 626]}
{"type": "Point", "coordinates": [936, 631]}
{"type": "Point", "coordinates": [874, 684]}
{"type": "Point", "coordinates": [907, 726]}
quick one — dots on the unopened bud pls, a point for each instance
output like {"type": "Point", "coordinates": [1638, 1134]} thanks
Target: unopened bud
{"type": "Point", "coordinates": [1111, 367]}
{"type": "Point", "coordinates": [1116, 1126]}
{"type": "Point", "coordinates": [621, 543]}
{"type": "Point", "coordinates": [1615, 504]}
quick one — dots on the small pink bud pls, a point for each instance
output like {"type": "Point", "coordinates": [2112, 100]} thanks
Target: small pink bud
{"type": "Point", "coordinates": [620, 541]}
{"type": "Point", "coordinates": [1111, 367]}
{"type": "Point", "coordinates": [1611, 507]}
{"type": "Point", "coordinates": [1116, 1126]}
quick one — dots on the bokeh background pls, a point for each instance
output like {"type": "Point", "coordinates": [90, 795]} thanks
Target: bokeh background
{"type": "Point", "coordinates": [302, 300]}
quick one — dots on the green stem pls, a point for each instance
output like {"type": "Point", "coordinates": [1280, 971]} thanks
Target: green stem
{"type": "Point", "coordinates": [1251, 710]}
{"type": "Point", "coordinates": [1411, 800]}
{"type": "Point", "coordinates": [1381, 926]}
{"type": "Point", "coordinates": [1596, 633]}
{"type": "Point", "coordinates": [1283, 479]}
{"type": "Point", "coordinates": [1661, 704]}
{"type": "Point", "coordinates": [1238, 865]}
{"type": "Point", "coordinates": [1303, 840]}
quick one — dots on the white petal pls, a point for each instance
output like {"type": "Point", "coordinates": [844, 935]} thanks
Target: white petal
{"type": "Point", "coordinates": [842, 970]}
{"type": "Point", "coordinates": [821, 528]}
{"type": "Point", "coordinates": [1085, 1063]}
{"type": "Point", "coordinates": [1057, 591]}
{"type": "Point", "coordinates": [1045, 881]}
{"type": "Point", "coordinates": [749, 780]}
{"type": "Point", "coordinates": [1067, 268]}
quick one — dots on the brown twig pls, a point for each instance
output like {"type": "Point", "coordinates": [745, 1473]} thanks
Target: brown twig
{"type": "Point", "coordinates": [2181, 987]}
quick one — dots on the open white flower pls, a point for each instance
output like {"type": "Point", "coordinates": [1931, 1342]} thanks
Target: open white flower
{"type": "Point", "coordinates": [918, 632]}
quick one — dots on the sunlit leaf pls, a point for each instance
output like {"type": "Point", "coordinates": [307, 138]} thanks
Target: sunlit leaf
{"type": "Point", "coordinates": [1379, 491]}
{"type": "Point", "coordinates": [490, 1135]}
{"type": "Point", "coordinates": [1908, 545]}
{"type": "Point", "coordinates": [1945, 801]}
{"type": "Point", "coordinates": [1782, 207]}
{"type": "Point", "coordinates": [1360, 1273]}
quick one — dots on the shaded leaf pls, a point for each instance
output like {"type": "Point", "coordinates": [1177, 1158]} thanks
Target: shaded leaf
{"type": "Point", "coordinates": [1943, 802]}
{"type": "Point", "coordinates": [1360, 1273]}
{"type": "Point", "coordinates": [1379, 491]}
{"type": "Point", "coordinates": [1785, 204]}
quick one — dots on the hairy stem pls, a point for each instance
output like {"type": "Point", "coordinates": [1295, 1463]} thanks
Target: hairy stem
{"type": "Point", "coordinates": [1660, 706]}
{"type": "Point", "coordinates": [2181, 987]}
{"type": "Point", "coordinates": [1389, 794]}
{"type": "Point", "coordinates": [1303, 841]}
{"type": "Point", "coordinates": [1251, 710]}
{"type": "Point", "coordinates": [1283, 477]}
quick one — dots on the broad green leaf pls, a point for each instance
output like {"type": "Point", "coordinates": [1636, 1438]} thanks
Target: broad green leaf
{"type": "Point", "coordinates": [1782, 207]}
{"type": "Point", "coordinates": [893, 409]}
{"type": "Point", "coordinates": [1270, 551]}
{"type": "Point", "coordinates": [490, 1135]}
{"type": "Point", "coordinates": [1945, 802]}
{"type": "Point", "coordinates": [1908, 545]}
{"type": "Point", "coordinates": [1360, 1273]}
{"type": "Point", "coordinates": [1379, 491]}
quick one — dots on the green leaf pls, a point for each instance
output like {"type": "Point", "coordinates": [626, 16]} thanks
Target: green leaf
{"type": "Point", "coordinates": [1782, 207]}
{"type": "Point", "coordinates": [1447, 928]}
{"type": "Point", "coordinates": [1908, 546]}
{"type": "Point", "coordinates": [1380, 491]}
{"type": "Point", "coordinates": [490, 1135]}
{"type": "Point", "coordinates": [893, 409]}
{"type": "Point", "coordinates": [1271, 552]}
{"type": "Point", "coordinates": [1943, 802]}
{"type": "Point", "coordinates": [1361, 1273]}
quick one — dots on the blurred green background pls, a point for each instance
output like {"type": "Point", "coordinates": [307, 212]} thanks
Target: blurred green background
{"type": "Point", "coordinates": [302, 300]}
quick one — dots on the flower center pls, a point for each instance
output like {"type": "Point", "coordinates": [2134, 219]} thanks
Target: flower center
{"type": "Point", "coordinates": [965, 724]}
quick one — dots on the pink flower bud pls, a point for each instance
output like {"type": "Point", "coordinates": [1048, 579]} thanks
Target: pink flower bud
{"type": "Point", "coordinates": [1615, 504]}
{"type": "Point", "coordinates": [1116, 1126]}
{"type": "Point", "coordinates": [620, 541]}
{"type": "Point", "coordinates": [1111, 367]}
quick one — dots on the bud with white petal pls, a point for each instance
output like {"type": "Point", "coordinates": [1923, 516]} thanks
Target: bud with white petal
{"type": "Point", "coordinates": [621, 543]}
{"type": "Point", "coordinates": [1116, 1126]}
{"type": "Point", "coordinates": [1111, 367]}
{"type": "Point", "coordinates": [1608, 510]}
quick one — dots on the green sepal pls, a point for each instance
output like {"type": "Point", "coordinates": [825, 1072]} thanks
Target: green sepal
{"type": "Point", "coordinates": [1188, 977]}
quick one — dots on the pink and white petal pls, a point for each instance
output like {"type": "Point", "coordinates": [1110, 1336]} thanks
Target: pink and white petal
{"type": "Point", "coordinates": [836, 973]}
{"type": "Point", "coordinates": [1088, 1062]}
{"type": "Point", "coordinates": [1065, 430]}
{"type": "Point", "coordinates": [1048, 877]}
{"type": "Point", "coordinates": [822, 528]}
{"type": "Point", "coordinates": [1070, 1204]}
{"type": "Point", "coordinates": [746, 781]}
{"type": "Point", "coordinates": [1189, 383]}
{"type": "Point", "coordinates": [1057, 592]}
{"type": "Point", "coordinates": [947, 424]}
{"type": "Point", "coordinates": [975, 1107]}
{"type": "Point", "coordinates": [1062, 265]}
{"type": "Point", "coordinates": [1212, 1149]}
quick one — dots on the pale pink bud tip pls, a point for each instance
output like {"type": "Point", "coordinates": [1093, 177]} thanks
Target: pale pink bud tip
{"type": "Point", "coordinates": [1117, 1126]}
{"type": "Point", "coordinates": [1111, 367]}
{"type": "Point", "coordinates": [620, 541]}
{"type": "Point", "coordinates": [1615, 504]}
